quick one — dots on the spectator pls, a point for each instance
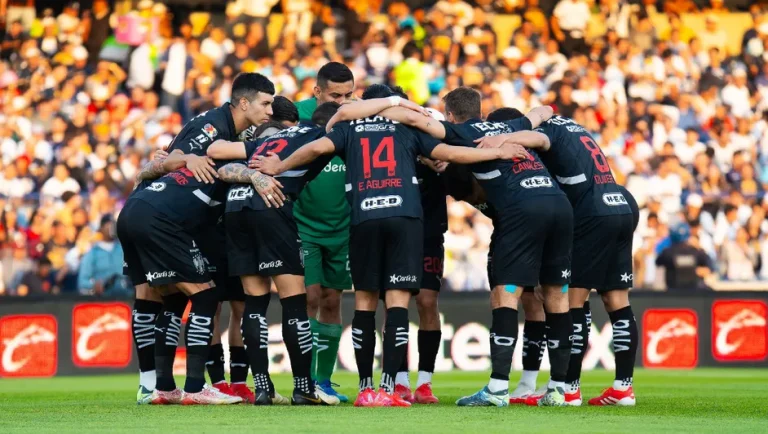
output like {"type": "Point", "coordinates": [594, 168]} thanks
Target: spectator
{"type": "Point", "coordinates": [61, 182]}
{"type": "Point", "coordinates": [685, 266]}
{"type": "Point", "coordinates": [713, 36]}
{"type": "Point", "coordinates": [38, 281]}
{"type": "Point", "coordinates": [101, 268]}
{"type": "Point", "coordinates": [569, 25]}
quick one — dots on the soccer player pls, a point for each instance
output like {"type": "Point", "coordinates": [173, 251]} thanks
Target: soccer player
{"type": "Point", "coordinates": [158, 226]}
{"type": "Point", "coordinates": [263, 244]}
{"type": "Point", "coordinates": [603, 230]}
{"type": "Point", "coordinates": [322, 215]}
{"type": "Point", "coordinates": [386, 236]}
{"type": "Point", "coordinates": [433, 204]}
{"type": "Point", "coordinates": [532, 244]}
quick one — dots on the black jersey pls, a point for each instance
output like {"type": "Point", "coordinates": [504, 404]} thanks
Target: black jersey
{"type": "Point", "coordinates": [505, 182]}
{"type": "Point", "coordinates": [581, 169]}
{"type": "Point", "coordinates": [380, 156]}
{"type": "Point", "coordinates": [284, 143]}
{"type": "Point", "coordinates": [433, 191]}
{"type": "Point", "coordinates": [178, 195]}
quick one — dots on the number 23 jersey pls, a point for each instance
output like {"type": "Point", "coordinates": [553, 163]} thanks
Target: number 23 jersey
{"type": "Point", "coordinates": [581, 169]}
{"type": "Point", "coordinates": [381, 167]}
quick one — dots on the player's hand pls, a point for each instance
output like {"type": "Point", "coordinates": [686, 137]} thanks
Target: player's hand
{"type": "Point", "coordinates": [160, 155]}
{"type": "Point", "coordinates": [269, 165]}
{"type": "Point", "coordinates": [436, 165]}
{"type": "Point", "coordinates": [204, 168]}
{"type": "Point", "coordinates": [490, 142]}
{"type": "Point", "coordinates": [513, 151]}
{"type": "Point", "coordinates": [269, 189]}
{"type": "Point", "coordinates": [410, 105]}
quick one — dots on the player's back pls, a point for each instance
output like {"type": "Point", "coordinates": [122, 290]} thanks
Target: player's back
{"type": "Point", "coordinates": [380, 156]}
{"type": "Point", "coordinates": [581, 169]}
{"type": "Point", "coordinates": [284, 143]}
{"type": "Point", "coordinates": [505, 183]}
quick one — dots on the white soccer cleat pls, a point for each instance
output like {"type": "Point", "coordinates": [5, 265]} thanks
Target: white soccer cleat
{"type": "Point", "coordinates": [520, 393]}
{"type": "Point", "coordinates": [209, 396]}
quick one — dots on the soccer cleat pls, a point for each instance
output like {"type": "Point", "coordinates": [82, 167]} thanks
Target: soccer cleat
{"type": "Point", "coordinates": [522, 391]}
{"type": "Point", "coordinates": [261, 397]}
{"type": "Point", "coordinates": [484, 398]}
{"type": "Point", "coordinates": [318, 398]}
{"type": "Point", "coordinates": [328, 388]}
{"type": "Point", "coordinates": [160, 397]}
{"type": "Point", "coordinates": [611, 396]}
{"type": "Point", "coordinates": [384, 399]}
{"type": "Point", "coordinates": [533, 398]}
{"type": "Point", "coordinates": [404, 392]}
{"type": "Point", "coordinates": [209, 396]}
{"type": "Point", "coordinates": [224, 388]}
{"type": "Point", "coordinates": [365, 398]}
{"type": "Point", "coordinates": [278, 399]}
{"type": "Point", "coordinates": [553, 398]}
{"type": "Point", "coordinates": [242, 390]}
{"type": "Point", "coordinates": [573, 398]}
{"type": "Point", "coordinates": [424, 395]}
{"type": "Point", "coordinates": [143, 396]}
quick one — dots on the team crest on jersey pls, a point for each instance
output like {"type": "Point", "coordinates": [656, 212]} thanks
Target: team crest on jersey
{"type": "Point", "coordinates": [210, 131]}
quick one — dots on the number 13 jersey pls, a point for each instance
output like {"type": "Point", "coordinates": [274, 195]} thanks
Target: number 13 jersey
{"type": "Point", "coordinates": [581, 169]}
{"type": "Point", "coordinates": [381, 167]}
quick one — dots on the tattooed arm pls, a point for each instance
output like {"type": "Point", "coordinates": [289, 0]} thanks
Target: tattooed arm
{"type": "Point", "coordinates": [157, 167]}
{"type": "Point", "coordinates": [411, 118]}
{"type": "Point", "coordinates": [267, 187]}
{"type": "Point", "coordinates": [539, 115]}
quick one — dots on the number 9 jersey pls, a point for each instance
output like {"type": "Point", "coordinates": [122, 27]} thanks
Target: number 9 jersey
{"type": "Point", "coordinates": [581, 170]}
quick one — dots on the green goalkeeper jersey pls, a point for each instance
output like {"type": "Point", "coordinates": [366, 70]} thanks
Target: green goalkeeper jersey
{"type": "Point", "coordinates": [322, 209]}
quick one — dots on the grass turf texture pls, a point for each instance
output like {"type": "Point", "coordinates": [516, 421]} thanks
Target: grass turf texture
{"type": "Point", "coordinates": [699, 401]}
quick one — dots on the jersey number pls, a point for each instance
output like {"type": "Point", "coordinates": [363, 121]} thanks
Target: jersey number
{"type": "Point", "coordinates": [597, 155]}
{"type": "Point", "coordinates": [274, 146]}
{"type": "Point", "coordinates": [386, 144]}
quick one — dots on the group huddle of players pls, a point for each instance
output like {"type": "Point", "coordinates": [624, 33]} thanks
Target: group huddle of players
{"type": "Point", "coordinates": [307, 196]}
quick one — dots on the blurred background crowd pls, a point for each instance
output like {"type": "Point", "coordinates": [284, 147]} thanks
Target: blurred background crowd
{"type": "Point", "coordinates": [675, 92]}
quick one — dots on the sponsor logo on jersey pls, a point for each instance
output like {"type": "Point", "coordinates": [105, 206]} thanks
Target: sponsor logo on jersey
{"type": "Point", "coordinates": [536, 182]}
{"type": "Point", "coordinates": [375, 128]}
{"type": "Point", "coordinates": [270, 264]}
{"type": "Point", "coordinates": [101, 335]}
{"type": "Point", "coordinates": [739, 330]}
{"type": "Point", "coordinates": [671, 338]}
{"type": "Point", "coordinates": [210, 131]}
{"type": "Point", "coordinates": [575, 129]}
{"type": "Point", "coordinates": [397, 278]}
{"type": "Point", "coordinates": [28, 344]}
{"type": "Point", "coordinates": [491, 128]}
{"type": "Point", "coordinates": [240, 193]}
{"type": "Point", "coordinates": [159, 275]}
{"type": "Point", "coordinates": [380, 202]}
{"type": "Point", "coordinates": [156, 186]}
{"type": "Point", "coordinates": [330, 167]}
{"type": "Point", "coordinates": [614, 199]}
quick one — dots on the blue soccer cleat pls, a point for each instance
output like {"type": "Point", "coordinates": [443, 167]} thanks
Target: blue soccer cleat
{"type": "Point", "coordinates": [485, 398]}
{"type": "Point", "coordinates": [328, 388]}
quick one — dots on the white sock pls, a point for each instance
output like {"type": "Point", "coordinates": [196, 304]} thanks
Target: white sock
{"type": "Point", "coordinates": [402, 378]}
{"type": "Point", "coordinates": [529, 378]}
{"type": "Point", "coordinates": [424, 378]}
{"type": "Point", "coordinates": [572, 387]}
{"type": "Point", "coordinates": [556, 384]}
{"type": "Point", "coordinates": [496, 385]}
{"type": "Point", "coordinates": [622, 384]}
{"type": "Point", "coordinates": [148, 379]}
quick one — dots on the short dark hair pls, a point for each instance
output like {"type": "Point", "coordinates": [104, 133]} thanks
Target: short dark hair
{"type": "Point", "coordinates": [283, 110]}
{"type": "Point", "coordinates": [248, 85]}
{"type": "Point", "coordinates": [410, 49]}
{"type": "Point", "coordinates": [504, 114]}
{"type": "Point", "coordinates": [324, 112]}
{"type": "Point", "coordinates": [398, 90]}
{"type": "Point", "coordinates": [335, 72]}
{"type": "Point", "coordinates": [377, 91]}
{"type": "Point", "coordinates": [464, 102]}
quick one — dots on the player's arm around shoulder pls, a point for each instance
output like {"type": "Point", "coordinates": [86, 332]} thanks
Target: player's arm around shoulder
{"type": "Point", "coordinates": [417, 120]}
{"type": "Point", "coordinates": [226, 150]}
{"type": "Point", "coordinates": [528, 139]}
{"type": "Point", "coordinates": [272, 165]}
{"type": "Point", "coordinates": [539, 115]}
{"type": "Point", "coordinates": [466, 155]}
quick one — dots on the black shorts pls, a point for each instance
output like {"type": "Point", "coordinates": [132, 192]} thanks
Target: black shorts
{"type": "Point", "coordinates": [264, 242]}
{"type": "Point", "coordinates": [157, 250]}
{"type": "Point", "coordinates": [387, 254]}
{"type": "Point", "coordinates": [602, 248]}
{"type": "Point", "coordinates": [532, 243]}
{"type": "Point", "coordinates": [434, 255]}
{"type": "Point", "coordinates": [213, 244]}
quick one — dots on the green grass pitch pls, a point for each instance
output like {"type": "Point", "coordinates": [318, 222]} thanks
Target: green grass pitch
{"type": "Point", "coordinates": [699, 401]}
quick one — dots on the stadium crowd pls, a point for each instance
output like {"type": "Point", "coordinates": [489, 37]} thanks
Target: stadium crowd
{"type": "Point", "coordinates": [86, 96]}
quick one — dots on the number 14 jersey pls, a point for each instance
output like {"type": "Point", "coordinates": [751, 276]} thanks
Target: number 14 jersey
{"type": "Point", "coordinates": [581, 169]}
{"type": "Point", "coordinates": [381, 167]}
